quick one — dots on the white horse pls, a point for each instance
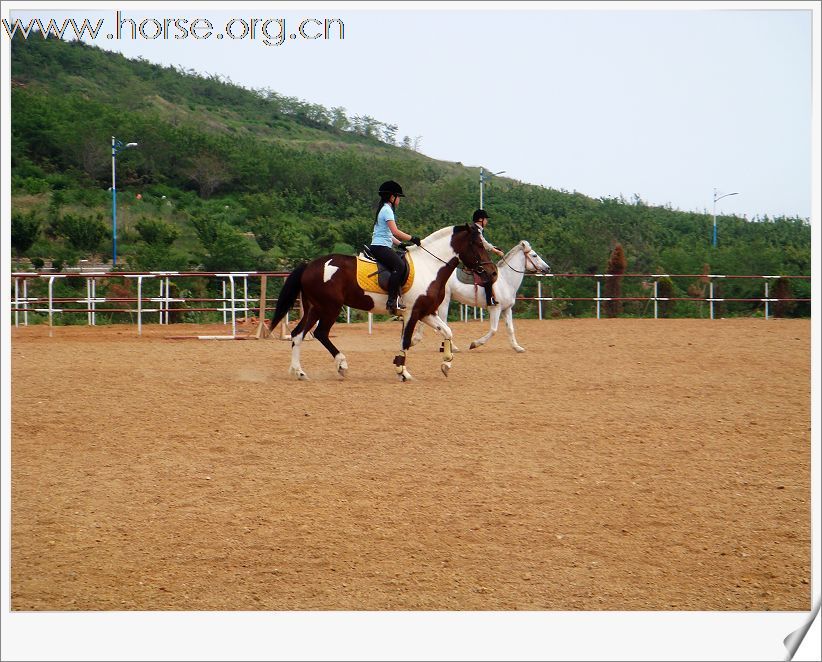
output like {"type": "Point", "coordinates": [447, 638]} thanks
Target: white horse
{"type": "Point", "coordinates": [520, 260]}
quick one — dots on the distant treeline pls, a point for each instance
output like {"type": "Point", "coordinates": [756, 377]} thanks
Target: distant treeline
{"type": "Point", "coordinates": [231, 178]}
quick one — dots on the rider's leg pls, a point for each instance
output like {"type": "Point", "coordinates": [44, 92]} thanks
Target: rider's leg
{"type": "Point", "coordinates": [489, 294]}
{"type": "Point", "coordinates": [394, 263]}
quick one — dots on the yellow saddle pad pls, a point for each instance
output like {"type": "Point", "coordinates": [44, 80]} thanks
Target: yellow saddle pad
{"type": "Point", "coordinates": [367, 275]}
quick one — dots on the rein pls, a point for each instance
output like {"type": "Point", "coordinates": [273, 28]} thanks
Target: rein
{"type": "Point", "coordinates": [431, 254]}
{"type": "Point", "coordinates": [477, 269]}
{"type": "Point", "coordinates": [527, 260]}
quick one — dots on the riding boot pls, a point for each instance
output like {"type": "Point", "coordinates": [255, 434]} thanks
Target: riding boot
{"type": "Point", "coordinates": [393, 304]}
{"type": "Point", "coordinates": [489, 297]}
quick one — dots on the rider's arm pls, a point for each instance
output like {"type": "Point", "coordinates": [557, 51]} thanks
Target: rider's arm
{"type": "Point", "coordinates": [489, 246]}
{"type": "Point", "coordinates": [399, 234]}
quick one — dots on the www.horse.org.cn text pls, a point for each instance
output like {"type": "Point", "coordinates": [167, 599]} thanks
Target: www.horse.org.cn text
{"type": "Point", "coordinates": [267, 31]}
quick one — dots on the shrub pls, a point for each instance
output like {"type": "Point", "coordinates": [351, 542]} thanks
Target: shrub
{"type": "Point", "coordinates": [613, 285]}
{"type": "Point", "coordinates": [665, 290]}
{"type": "Point", "coordinates": [782, 290]}
{"type": "Point", "coordinates": [156, 232]}
{"type": "Point", "coordinates": [32, 185]}
{"type": "Point", "coordinates": [24, 231]}
{"type": "Point", "coordinates": [82, 232]}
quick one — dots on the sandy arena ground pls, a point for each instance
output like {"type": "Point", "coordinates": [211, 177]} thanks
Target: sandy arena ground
{"type": "Point", "coordinates": [615, 465]}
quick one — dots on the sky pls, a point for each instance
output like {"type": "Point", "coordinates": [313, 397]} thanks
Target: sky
{"type": "Point", "coordinates": [676, 103]}
{"type": "Point", "coordinates": [665, 101]}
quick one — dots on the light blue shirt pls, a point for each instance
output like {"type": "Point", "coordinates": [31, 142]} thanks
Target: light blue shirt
{"type": "Point", "coordinates": [382, 234]}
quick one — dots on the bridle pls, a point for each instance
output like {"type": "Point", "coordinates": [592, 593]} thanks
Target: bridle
{"type": "Point", "coordinates": [528, 260]}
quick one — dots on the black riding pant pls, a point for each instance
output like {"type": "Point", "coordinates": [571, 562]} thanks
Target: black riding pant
{"type": "Point", "coordinates": [393, 262]}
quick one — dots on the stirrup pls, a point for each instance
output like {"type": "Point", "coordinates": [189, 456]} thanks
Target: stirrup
{"type": "Point", "coordinates": [394, 305]}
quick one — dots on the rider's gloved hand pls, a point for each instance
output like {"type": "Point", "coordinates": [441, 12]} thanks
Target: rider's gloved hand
{"type": "Point", "coordinates": [415, 240]}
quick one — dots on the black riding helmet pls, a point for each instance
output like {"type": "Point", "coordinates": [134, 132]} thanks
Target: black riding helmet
{"type": "Point", "coordinates": [391, 188]}
{"type": "Point", "coordinates": [479, 215]}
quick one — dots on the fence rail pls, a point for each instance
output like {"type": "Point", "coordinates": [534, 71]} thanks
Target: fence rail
{"type": "Point", "coordinates": [235, 299]}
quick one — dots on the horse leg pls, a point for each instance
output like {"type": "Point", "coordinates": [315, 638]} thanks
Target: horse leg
{"type": "Point", "coordinates": [493, 318]}
{"type": "Point", "coordinates": [417, 337]}
{"type": "Point", "coordinates": [408, 326]}
{"type": "Point", "coordinates": [437, 323]}
{"type": "Point", "coordinates": [297, 336]}
{"type": "Point", "coordinates": [442, 311]}
{"type": "Point", "coordinates": [321, 334]}
{"type": "Point", "coordinates": [509, 325]}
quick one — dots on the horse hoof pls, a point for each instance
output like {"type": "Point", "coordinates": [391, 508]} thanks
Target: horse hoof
{"type": "Point", "coordinates": [405, 376]}
{"type": "Point", "coordinates": [298, 374]}
{"type": "Point", "coordinates": [455, 349]}
{"type": "Point", "coordinates": [342, 365]}
{"type": "Point", "coordinates": [519, 349]}
{"type": "Point", "coordinates": [474, 345]}
{"type": "Point", "coordinates": [445, 367]}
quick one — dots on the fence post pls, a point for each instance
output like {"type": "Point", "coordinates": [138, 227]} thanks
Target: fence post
{"type": "Point", "coordinates": [140, 305]}
{"type": "Point", "coordinates": [16, 301]}
{"type": "Point", "coordinates": [51, 309]}
{"type": "Point", "coordinates": [139, 278]}
{"type": "Point", "coordinates": [26, 302]}
{"type": "Point", "coordinates": [160, 300]}
{"type": "Point", "coordinates": [167, 302]}
{"type": "Point", "coordinates": [89, 318]}
{"type": "Point", "coordinates": [233, 307]}
{"type": "Point", "coordinates": [225, 312]}
{"type": "Point", "coordinates": [262, 329]}
{"type": "Point", "coordinates": [245, 296]}
{"type": "Point", "coordinates": [539, 294]}
{"type": "Point", "coordinates": [94, 303]}
{"type": "Point", "coordinates": [711, 296]}
{"type": "Point", "coordinates": [599, 295]}
{"type": "Point", "coordinates": [51, 305]}
{"type": "Point", "coordinates": [656, 298]}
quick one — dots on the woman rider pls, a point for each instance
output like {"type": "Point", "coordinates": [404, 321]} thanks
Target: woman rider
{"type": "Point", "coordinates": [385, 235]}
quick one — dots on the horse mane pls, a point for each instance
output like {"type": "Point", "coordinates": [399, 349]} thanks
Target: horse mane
{"type": "Point", "coordinates": [441, 232]}
{"type": "Point", "coordinates": [516, 246]}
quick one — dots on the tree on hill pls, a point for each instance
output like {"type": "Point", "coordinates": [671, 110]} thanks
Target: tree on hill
{"type": "Point", "coordinates": [617, 264]}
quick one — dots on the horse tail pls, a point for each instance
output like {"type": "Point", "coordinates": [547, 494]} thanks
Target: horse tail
{"type": "Point", "coordinates": [288, 295]}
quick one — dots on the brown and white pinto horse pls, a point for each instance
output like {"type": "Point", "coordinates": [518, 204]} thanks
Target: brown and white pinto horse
{"type": "Point", "coordinates": [328, 283]}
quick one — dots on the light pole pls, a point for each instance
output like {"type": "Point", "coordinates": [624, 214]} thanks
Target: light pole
{"type": "Point", "coordinates": [483, 176]}
{"type": "Point", "coordinates": [116, 147]}
{"type": "Point", "coordinates": [715, 199]}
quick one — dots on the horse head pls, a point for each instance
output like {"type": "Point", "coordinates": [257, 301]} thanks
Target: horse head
{"type": "Point", "coordinates": [533, 262]}
{"type": "Point", "coordinates": [466, 241]}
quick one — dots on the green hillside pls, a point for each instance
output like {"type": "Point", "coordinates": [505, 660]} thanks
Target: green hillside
{"type": "Point", "coordinates": [231, 178]}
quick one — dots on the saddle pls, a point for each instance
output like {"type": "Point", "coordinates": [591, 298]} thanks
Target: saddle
{"type": "Point", "coordinates": [470, 278]}
{"type": "Point", "coordinates": [373, 276]}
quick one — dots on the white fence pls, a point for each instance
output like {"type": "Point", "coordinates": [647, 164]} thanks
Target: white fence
{"type": "Point", "coordinates": [236, 302]}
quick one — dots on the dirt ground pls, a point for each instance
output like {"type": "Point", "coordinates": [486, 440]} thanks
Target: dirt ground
{"type": "Point", "coordinates": [615, 465]}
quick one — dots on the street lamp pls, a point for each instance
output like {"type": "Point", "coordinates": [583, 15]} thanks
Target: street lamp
{"type": "Point", "coordinates": [716, 197]}
{"type": "Point", "coordinates": [117, 146]}
{"type": "Point", "coordinates": [486, 175]}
